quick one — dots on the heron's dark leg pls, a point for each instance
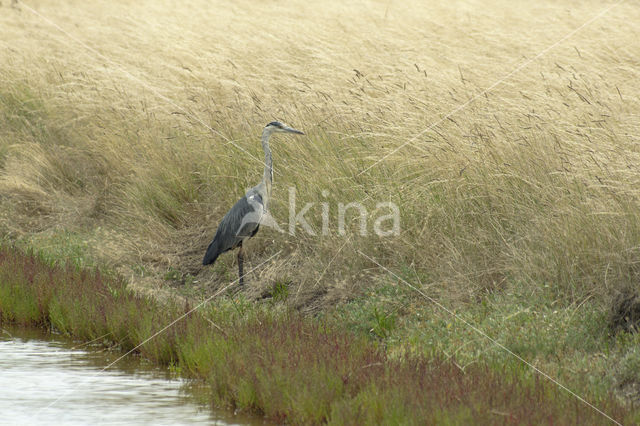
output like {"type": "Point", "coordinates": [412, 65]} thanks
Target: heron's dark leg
{"type": "Point", "coordinates": [240, 261]}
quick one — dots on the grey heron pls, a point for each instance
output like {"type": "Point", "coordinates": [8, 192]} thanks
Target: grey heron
{"type": "Point", "coordinates": [243, 220]}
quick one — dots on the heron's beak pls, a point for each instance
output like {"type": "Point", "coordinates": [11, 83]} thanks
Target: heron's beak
{"type": "Point", "coordinates": [292, 130]}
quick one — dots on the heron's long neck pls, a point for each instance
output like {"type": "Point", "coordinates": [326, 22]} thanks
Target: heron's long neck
{"type": "Point", "coordinates": [268, 163]}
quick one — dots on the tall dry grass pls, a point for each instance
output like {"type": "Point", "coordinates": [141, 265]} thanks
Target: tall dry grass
{"type": "Point", "coordinates": [536, 181]}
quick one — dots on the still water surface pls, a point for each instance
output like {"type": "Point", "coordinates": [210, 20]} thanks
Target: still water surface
{"type": "Point", "coordinates": [47, 380]}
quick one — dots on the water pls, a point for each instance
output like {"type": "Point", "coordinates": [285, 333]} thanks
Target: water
{"type": "Point", "coordinates": [48, 380]}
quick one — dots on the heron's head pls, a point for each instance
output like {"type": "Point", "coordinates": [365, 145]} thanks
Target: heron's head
{"type": "Point", "coordinates": [278, 127]}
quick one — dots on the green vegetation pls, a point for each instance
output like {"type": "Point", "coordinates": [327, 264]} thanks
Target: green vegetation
{"type": "Point", "coordinates": [520, 211]}
{"type": "Point", "coordinates": [573, 344]}
{"type": "Point", "coordinates": [275, 362]}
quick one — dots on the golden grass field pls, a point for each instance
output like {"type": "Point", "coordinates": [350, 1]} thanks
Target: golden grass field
{"type": "Point", "coordinates": [106, 155]}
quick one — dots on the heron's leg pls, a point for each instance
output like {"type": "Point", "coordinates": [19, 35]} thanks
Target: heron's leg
{"type": "Point", "coordinates": [240, 261]}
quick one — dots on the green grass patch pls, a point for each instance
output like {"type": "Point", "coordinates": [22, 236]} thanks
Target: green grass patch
{"type": "Point", "coordinates": [279, 364]}
{"type": "Point", "coordinates": [573, 342]}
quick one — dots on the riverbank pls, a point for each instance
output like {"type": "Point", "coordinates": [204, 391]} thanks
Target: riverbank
{"type": "Point", "coordinates": [124, 141]}
{"type": "Point", "coordinates": [48, 378]}
{"type": "Point", "coordinates": [271, 361]}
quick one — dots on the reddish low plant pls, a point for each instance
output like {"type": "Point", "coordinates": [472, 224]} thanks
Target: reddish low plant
{"type": "Point", "coordinates": [284, 365]}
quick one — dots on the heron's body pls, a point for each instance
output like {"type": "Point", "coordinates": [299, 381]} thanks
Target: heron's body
{"type": "Point", "coordinates": [243, 220]}
{"type": "Point", "coordinates": [230, 233]}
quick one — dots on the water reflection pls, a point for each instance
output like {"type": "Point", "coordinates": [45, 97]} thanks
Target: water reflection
{"type": "Point", "coordinates": [38, 370]}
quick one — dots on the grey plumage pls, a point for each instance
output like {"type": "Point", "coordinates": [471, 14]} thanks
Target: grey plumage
{"type": "Point", "coordinates": [243, 220]}
{"type": "Point", "coordinates": [231, 233]}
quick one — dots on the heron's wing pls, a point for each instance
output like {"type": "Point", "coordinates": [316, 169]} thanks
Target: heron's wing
{"type": "Point", "coordinates": [241, 222]}
{"type": "Point", "coordinates": [243, 218]}
{"type": "Point", "coordinates": [251, 216]}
